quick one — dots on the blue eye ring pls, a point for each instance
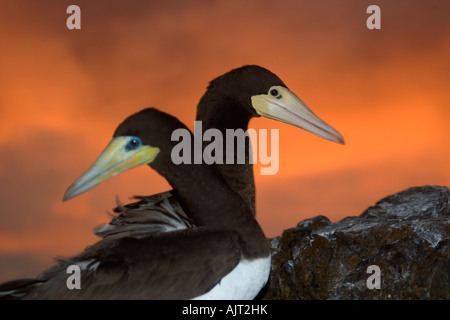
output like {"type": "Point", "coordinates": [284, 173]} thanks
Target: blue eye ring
{"type": "Point", "coordinates": [133, 143]}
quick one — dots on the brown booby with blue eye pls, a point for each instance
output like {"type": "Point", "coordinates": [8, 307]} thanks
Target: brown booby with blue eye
{"type": "Point", "coordinates": [230, 102]}
{"type": "Point", "coordinates": [225, 256]}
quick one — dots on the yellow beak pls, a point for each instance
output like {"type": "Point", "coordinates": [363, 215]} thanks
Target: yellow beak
{"type": "Point", "coordinates": [115, 159]}
{"type": "Point", "coordinates": [283, 105]}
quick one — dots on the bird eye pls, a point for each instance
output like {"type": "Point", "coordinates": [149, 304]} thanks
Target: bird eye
{"type": "Point", "coordinates": [133, 144]}
{"type": "Point", "coordinates": [274, 92]}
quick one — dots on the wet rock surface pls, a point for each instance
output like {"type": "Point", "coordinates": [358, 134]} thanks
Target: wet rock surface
{"type": "Point", "coordinates": [405, 235]}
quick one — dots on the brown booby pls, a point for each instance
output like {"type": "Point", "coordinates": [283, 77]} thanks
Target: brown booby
{"type": "Point", "coordinates": [226, 256]}
{"type": "Point", "coordinates": [230, 102]}
{"type": "Point", "coordinates": [251, 91]}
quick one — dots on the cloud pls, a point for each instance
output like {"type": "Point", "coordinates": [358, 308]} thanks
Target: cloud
{"type": "Point", "coordinates": [34, 167]}
{"type": "Point", "coordinates": [15, 265]}
{"type": "Point", "coordinates": [284, 201]}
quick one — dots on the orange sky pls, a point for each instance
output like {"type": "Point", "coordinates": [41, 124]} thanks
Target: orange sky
{"type": "Point", "coordinates": [63, 92]}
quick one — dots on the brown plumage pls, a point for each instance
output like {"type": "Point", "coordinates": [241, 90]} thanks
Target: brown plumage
{"type": "Point", "coordinates": [226, 104]}
{"type": "Point", "coordinates": [207, 203]}
{"type": "Point", "coordinates": [180, 264]}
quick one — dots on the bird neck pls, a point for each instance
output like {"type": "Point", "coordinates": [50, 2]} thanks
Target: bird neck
{"type": "Point", "coordinates": [224, 113]}
{"type": "Point", "coordinates": [209, 201]}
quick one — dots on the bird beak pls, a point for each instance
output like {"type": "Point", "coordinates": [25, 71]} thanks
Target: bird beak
{"type": "Point", "coordinates": [115, 159]}
{"type": "Point", "coordinates": [283, 105]}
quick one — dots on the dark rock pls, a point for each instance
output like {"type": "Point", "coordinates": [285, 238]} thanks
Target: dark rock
{"type": "Point", "coordinates": [406, 235]}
